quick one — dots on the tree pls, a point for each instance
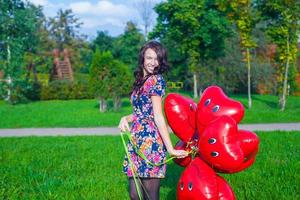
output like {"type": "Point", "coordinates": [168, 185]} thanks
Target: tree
{"type": "Point", "coordinates": [109, 78]}
{"type": "Point", "coordinates": [64, 30]}
{"type": "Point", "coordinates": [282, 19]}
{"type": "Point", "coordinates": [103, 41]}
{"type": "Point", "coordinates": [18, 28]}
{"type": "Point", "coordinates": [243, 15]}
{"type": "Point", "coordinates": [127, 45]}
{"type": "Point", "coordinates": [120, 82]}
{"type": "Point", "coordinates": [198, 28]}
{"type": "Point", "coordinates": [99, 77]}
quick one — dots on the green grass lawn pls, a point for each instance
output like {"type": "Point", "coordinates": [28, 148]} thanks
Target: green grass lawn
{"type": "Point", "coordinates": [89, 167]}
{"type": "Point", "coordinates": [84, 113]}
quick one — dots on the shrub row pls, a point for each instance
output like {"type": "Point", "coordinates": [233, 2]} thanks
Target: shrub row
{"type": "Point", "coordinates": [64, 90]}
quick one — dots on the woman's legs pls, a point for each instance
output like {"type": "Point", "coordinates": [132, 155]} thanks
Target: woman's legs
{"type": "Point", "coordinates": [132, 189]}
{"type": "Point", "coordinates": [151, 187]}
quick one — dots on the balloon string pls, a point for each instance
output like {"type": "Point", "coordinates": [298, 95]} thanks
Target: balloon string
{"type": "Point", "coordinates": [132, 168]}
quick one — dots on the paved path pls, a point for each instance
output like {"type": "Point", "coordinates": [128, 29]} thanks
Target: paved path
{"type": "Point", "coordinates": [115, 131]}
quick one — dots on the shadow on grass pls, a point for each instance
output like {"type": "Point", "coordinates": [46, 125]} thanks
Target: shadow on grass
{"type": "Point", "coordinates": [173, 174]}
{"type": "Point", "coordinates": [270, 103]}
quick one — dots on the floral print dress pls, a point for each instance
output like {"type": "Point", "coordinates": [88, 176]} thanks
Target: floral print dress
{"type": "Point", "coordinates": [145, 134]}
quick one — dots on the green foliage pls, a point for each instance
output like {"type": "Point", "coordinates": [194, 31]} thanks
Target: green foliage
{"type": "Point", "coordinates": [64, 28]}
{"type": "Point", "coordinates": [283, 28]}
{"type": "Point", "coordinates": [198, 28]}
{"type": "Point", "coordinates": [65, 90]}
{"type": "Point", "coordinates": [103, 42]}
{"type": "Point", "coordinates": [243, 14]}
{"type": "Point", "coordinates": [121, 79]}
{"type": "Point", "coordinates": [127, 45]}
{"type": "Point", "coordinates": [109, 78]}
{"type": "Point", "coordinates": [20, 49]}
{"type": "Point", "coordinates": [100, 74]}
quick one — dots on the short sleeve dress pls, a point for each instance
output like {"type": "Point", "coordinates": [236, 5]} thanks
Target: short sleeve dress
{"type": "Point", "coordinates": [145, 134]}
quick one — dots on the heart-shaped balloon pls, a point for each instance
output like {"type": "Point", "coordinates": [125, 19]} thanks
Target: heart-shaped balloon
{"type": "Point", "coordinates": [225, 191]}
{"type": "Point", "coordinates": [249, 143]}
{"type": "Point", "coordinates": [213, 104]}
{"type": "Point", "coordinates": [243, 166]}
{"type": "Point", "coordinates": [181, 113]}
{"type": "Point", "coordinates": [219, 144]}
{"type": "Point", "coordinates": [198, 181]}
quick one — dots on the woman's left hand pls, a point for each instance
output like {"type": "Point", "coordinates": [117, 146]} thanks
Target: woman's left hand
{"type": "Point", "coordinates": [178, 153]}
{"type": "Point", "coordinates": [123, 125]}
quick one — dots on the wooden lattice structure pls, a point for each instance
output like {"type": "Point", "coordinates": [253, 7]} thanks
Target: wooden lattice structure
{"type": "Point", "coordinates": [62, 69]}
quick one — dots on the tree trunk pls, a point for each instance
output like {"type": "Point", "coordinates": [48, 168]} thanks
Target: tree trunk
{"type": "Point", "coordinates": [102, 105]}
{"type": "Point", "coordinates": [195, 85]}
{"type": "Point", "coordinates": [117, 103]}
{"type": "Point", "coordinates": [282, 101]}
{"type": "Point", "coordinates": [9, 90]}
{"type": "Point", "coordinates": [249, 79]}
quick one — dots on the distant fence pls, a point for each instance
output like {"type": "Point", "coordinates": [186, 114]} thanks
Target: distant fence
{"type": "Point", "coordinates": [174, 85]}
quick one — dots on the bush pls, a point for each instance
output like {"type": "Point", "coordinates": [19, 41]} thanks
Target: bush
{"type": "Point", "coordinates": [64, 90]}
{"type": "Point", "coordinates": [22, 91]}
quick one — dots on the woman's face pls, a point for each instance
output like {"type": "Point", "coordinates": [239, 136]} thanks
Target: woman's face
{"type": "Point", "coordinates": [150, 61]}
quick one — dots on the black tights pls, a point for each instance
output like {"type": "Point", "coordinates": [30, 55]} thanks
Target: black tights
{"type": "Point", "coordinates": [149, 189]}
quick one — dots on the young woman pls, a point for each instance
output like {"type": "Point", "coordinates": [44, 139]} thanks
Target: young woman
{"type": "Point", "coordinates": [148, 127]}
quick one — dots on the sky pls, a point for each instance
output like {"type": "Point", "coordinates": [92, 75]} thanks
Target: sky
{"type": "Point", "coordinates": [98, 15]}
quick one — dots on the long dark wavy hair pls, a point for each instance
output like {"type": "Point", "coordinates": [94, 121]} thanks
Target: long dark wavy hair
{"type": "Point", "coordinates": [163, 64]}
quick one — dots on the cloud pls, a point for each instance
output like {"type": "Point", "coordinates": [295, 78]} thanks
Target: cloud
{"type": "Point", "coordinates": [98, 15]}
{"type": "Point", "coordinates": [102, 8]}
{"type": "Point", "coordinates": [39, 2]}
{"type": "Point", "coordinates": [103, 14]}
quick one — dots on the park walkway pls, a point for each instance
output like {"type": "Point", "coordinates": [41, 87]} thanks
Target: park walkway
{"type": "Point", "coordinates": [115, 131]}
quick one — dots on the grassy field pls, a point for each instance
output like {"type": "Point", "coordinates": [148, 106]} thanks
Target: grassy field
{"type": "Point", "coordinates": [89, 167]}
{"type": "Point", "coordinates": [84, 113]}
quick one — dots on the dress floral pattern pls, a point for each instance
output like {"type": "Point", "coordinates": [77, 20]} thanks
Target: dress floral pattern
{"type": "Point", "coordinates": [144, 132]}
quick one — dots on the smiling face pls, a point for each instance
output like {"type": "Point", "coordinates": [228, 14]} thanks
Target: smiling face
{"type": "Point", "coordinates": [150, 61]}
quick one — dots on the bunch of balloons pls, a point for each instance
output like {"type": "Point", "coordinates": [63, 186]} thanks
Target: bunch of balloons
{"type": "Point", "coordinates": [209, 130]}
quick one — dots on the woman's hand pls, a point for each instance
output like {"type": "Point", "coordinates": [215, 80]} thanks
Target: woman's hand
{"type": "Point", "coordinates": [178, 153]}
{"type": "Point", "coordinates": [123, 125]}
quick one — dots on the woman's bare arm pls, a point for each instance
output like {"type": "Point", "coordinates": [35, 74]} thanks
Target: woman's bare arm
{"type": "Point", "coordinates": [162, 127]}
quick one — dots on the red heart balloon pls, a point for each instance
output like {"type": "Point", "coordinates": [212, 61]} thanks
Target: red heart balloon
{"type": "Point", "coordinates": [181, 113]}
{"type": "Point", "coordinates": [243, 166]}
{"type": "Point", "coordinates": [225, 191]}
{"type": "Point", "coordinates": [213, 104]}
{"type": "Point", "coordinates": [219, 145]}
{"type": "Point", "coordinates": [198, 181]}
{"type": "Point", "coordinates": [249, 143]}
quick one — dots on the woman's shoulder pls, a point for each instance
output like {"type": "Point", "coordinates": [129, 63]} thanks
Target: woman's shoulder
{"type": "Point", "coordinates": [153, 81]}
{"type": "Point", "coordinates": [157, 78]}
